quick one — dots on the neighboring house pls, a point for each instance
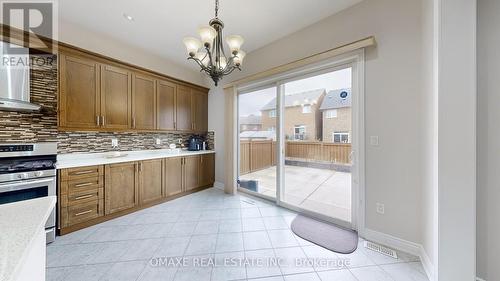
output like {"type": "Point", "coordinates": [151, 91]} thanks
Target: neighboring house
{"type": "Point", "coordinates": [336, 109]}
{"type": "Point", "coordinates": [302, 115]}
{"type": "Point", "coordinates": [250, 123]}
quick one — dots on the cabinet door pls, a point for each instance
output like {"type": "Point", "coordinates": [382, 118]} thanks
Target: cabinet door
{"type": "Point", "coordinates": [191, 172]}
{"type": "Point", "coordinates": [143, 102]}
{"type": "Point", "coordinates": [79, 102]}
{"type": "Point", "coordinates": [165, 105]}
{"type": "Point", "coordinates": [200, 111]}
{"type": "Point", "coordinates": [116, 97]}
{"type": "Point", "coordinates": [183, 109]}
{"type": "Point", "coordinates": [150, 180]}
{"type": "Point", "coordinates": [173, 175]}
{"type": "Point", "coordinates": [207, 169]}
{"type": "Point", "coordinates": [120, 189]}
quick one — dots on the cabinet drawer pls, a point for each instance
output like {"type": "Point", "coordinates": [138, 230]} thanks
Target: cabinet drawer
{"type": "Point", "coordinates": [74, 186]}
{"type": "Point", "coordinates": [81, 197]}
{"type": "Point", "coordinates": [81, 173]}
{"type": "Point", "coordinates": [82, 212]}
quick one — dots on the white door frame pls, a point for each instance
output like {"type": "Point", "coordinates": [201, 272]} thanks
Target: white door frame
{"type": "Point", "coordinates": [355, 60]}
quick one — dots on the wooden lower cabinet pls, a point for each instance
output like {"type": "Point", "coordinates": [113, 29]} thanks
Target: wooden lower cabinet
{"type": "Point", "coordinates": [191, 172]}
{"type": "Point", "coordinates": [207, 169]}
{"type": "Point", "coordinates": [150, 180]}
{"type": "Point", "coordinates": [90, 195]}
{"type": "Point", "coordinates": [174, 176]}
{"type": "Point", "coordinates": [121, 190]}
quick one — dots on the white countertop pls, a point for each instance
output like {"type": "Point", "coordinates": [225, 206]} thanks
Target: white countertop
{"type": "Point", "coordinates": [19, 223]}
{"type": "Point", "coordinates": [72, 160]}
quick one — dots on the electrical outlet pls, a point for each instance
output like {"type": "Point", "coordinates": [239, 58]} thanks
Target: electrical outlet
{"type": "Point", "coordinates": [114, 142]}
{"type": "Point", "coordinates": [158, 141]}
{"type": "Point", "coordinates": [374, 140]}
{"type": "Point", "coordinates": [380, 208]}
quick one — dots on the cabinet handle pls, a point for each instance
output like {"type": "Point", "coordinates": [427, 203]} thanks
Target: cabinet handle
{"type": "Point", "coordinates": [84, 172]}
{"type": "Point", "coordinates": [140, 167]}
{"type": "Point", "coordinates": [83, 184]}
{"type": "Point", "coordinates": [84, 197]}
{"type": "Point", "coordinates": [175, 125]}
{"type": "Point", "coordinates": [103, 121]}
{"type": "Point", "coordinates": [133, 122]}
{"type": "Point", "coordinates": [83, 213]}
{"type": "Point", "coordinates": [98, 120]}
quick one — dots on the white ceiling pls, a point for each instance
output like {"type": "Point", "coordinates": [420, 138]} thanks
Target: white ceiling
{"type": "Point", "coordinates": [160, 25]}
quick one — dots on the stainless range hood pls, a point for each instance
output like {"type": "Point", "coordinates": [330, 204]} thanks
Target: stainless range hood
{"type": "Point", "coordinates": [15, 80]}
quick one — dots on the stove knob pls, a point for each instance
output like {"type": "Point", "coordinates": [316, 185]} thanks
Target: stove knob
{"type": "Point", "coordinates": [38, 173]}
{"type": "Point", "coordinates": [22, 176]}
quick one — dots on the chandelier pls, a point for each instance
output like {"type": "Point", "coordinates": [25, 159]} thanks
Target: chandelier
{"type": "Point", "coordinates": [209, 52]}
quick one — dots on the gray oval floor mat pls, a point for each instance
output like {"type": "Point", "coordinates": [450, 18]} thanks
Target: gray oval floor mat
{"type": "Point", "coordinates": [324, 234]}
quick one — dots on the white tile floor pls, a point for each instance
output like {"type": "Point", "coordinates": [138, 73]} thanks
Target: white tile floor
{"type": "Point", "coordinates": [204, 236]}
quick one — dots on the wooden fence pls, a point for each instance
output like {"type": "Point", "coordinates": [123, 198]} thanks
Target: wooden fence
{"type": "Point", "coordinates": [261, 154]}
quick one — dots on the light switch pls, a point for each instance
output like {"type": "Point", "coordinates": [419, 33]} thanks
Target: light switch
{"type": "Point", "coordinates": [114, 142]}
{"type": "Point", "coordinates": [374, 140]}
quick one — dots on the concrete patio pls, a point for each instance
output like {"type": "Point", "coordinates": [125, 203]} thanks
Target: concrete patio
{"type": "Point", "coordinates": [323, 191]}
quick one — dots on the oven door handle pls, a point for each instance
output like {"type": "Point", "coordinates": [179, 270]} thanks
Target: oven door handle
{"type": "Point", "coordinates": [25, 184]}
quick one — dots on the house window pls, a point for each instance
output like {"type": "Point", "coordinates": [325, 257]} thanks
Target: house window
{"type": "Point", "coordinates": [272, 113]}
{"type": "Point", "coordinates": [332, 113]}
{"type": "Point", "coordinates": [299, 132]}
{"type": "Point", "coordinates": [341, 137]}
{"type": "Point", "coordinates": [306, 109]}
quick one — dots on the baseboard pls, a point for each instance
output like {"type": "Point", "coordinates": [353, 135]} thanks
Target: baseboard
{"type": "Point", "coordinates": [427, 264]}
{"type": "Point", "coordinates": [479, 279]}
{"type": "Point", "coordinates": [219, 185]}
{"type": "Point", "coordinates": [402, 245]}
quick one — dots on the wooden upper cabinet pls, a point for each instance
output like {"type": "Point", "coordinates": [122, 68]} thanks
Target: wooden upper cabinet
{"type": "Point", "coordinates": [191, 172]}
{"type": "Point", "coordinates": [173, 172]}
{"type": "Point", "coordinates": [143, 102]}
{"type": "Point", "coordinates": [79, 102]}
{"type": "Point", "coordinates": [150, 180]}
{"type": "Point", "coordinates": [183, 109]}
{"type": "Point", "coordinates": [165, 105]}
{"type": "Point", "coordinates": [200, 111]}
{"type": "Point", "coordinates": [121, 190]}
{"type": "Point", "coordinates": [207, 169]}
{"type": "Point", "coordinates": [116, 97]}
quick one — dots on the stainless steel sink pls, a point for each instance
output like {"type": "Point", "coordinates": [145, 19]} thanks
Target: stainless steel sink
{"type": "Point", "coordinates": [115, 154]}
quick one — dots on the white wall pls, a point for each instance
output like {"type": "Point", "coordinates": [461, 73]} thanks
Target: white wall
{"type": "Point", "coordinates": [216, 117]}
{"type": "Point", "coordinates": [429, 138]}
{"type": "Point", "coordinates": [457, 140]}
{"type": "Point", "coordinates": [488, 140]}
{"type": "Point", "coordinates": [393, 99]}
{"type": "Point", "coordinates": [101, 44]}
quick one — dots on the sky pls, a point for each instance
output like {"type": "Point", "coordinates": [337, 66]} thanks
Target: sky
{"type": "Point", "coordinates": [250, 103]}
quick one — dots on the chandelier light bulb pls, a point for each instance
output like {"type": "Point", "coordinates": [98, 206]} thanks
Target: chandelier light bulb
{"type": "Point", "coordinates": [238, 59]}
{"type": "Point", "coordinates": [234, 42]}
{"type": "Point", "coordinates": [192, 45]}
{"type": "Point", "coordinates": [207, 35]}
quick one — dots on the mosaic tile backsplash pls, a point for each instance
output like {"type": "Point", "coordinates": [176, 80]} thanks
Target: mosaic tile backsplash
{"type": "Point", "coordinates": [23, 127]}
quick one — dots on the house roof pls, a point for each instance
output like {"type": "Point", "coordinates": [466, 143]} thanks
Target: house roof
{"type": "Point", "coordinates": [297, 99]}
{"type": "Point", "coordinates": [334, 100]}
{"type": "Point", "coordinates": [250, 120]}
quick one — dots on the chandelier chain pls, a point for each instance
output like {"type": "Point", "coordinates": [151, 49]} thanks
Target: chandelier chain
{"type": "Point", "coordinates": [216, 8]}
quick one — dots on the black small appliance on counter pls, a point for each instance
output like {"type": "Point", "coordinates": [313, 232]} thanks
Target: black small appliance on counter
{"type": "Point", "coordinates": [196, 143]}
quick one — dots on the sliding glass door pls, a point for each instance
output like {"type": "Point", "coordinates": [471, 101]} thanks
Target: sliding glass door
{"type": "Point", "coordinates": [295, 143]}
{"type": "Point", "coordinates": [257, 121]}
{"type": "Point", "coordinates": [317, 132]}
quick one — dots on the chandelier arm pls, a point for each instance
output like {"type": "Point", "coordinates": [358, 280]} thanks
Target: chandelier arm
{"type": "Point", "coordinates": [209, 54]}
{"type": "Point", "coordinates": [203, 67]}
